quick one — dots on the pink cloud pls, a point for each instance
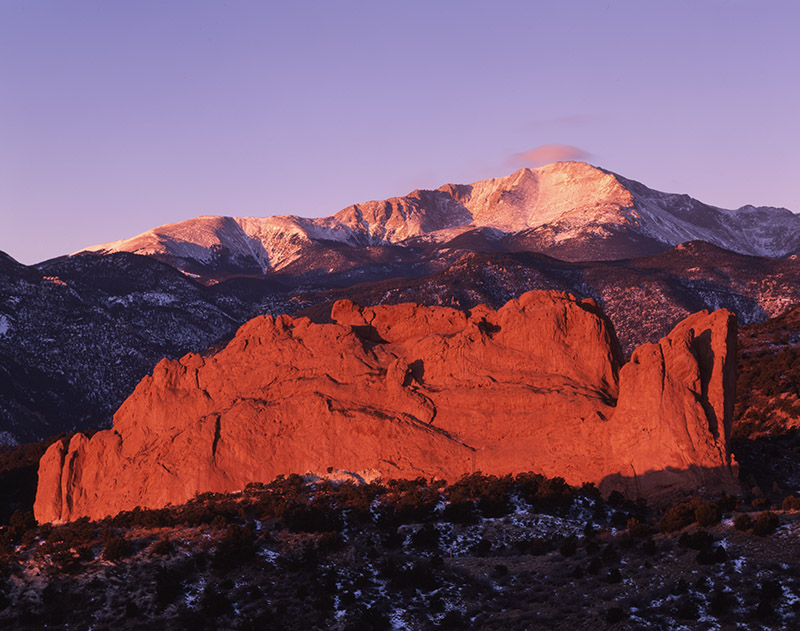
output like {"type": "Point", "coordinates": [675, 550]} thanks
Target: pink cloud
{"type": "Point", "coordinates": [545, 154]}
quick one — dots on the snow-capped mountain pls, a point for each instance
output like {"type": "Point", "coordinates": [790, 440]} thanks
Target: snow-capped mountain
{"type": "Point", "coordinates": [570, 210]}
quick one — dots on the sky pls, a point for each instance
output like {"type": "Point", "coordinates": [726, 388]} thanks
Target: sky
{"type": "Point", "coordinates": [117, 117]}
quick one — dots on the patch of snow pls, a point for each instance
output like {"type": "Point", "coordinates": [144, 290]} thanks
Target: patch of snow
{"type": "Point", "coordinates": [194, 593]}
{"type": "Point", "coordinates": [5, 324]}
{"type": "Point", "coordinates": [269, 555]}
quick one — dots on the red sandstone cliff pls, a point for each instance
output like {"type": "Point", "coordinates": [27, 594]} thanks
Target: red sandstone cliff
{"type": "Point", "coordinates": [406, 391]}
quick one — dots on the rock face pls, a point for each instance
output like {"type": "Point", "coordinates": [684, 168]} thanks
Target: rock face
{"type": "Point", "coordinates": [537, 385]}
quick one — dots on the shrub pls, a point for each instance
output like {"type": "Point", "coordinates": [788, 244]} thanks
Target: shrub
{"type": "Point", "coordinates": [615, 614]}
{"type": "Point", "coordinates": [408, 501]}
{"type": "Point", "coordinates": [765, 524]}
{"type": "Point", "coordinates": [538, 546]}
{"type": "Point", "coordinates": [590, 490]}
{"type": "Point", "coordinates": [687, 609]}
{"type": "Point", "coordinates": [394, 539]}
{"type": "Point", "coordinates": [548, 492]}
{"type": "Point", "coordinates": [554, 492]}
{"type": "Point", "coordinates": [315, 518]}
{"type": "Point", "coordinates": [330, 541]}
{"type": "Point", "coordinates": [143, 518]}
{"type": "Point", "coordinates": [615, 499]}
{"type": "Point", "coordinates": [764, 610]}
{"type": "Point", "coordinates": [707, 515]}
{"type": "Point", "coordinates": [482, 547]}
{"type": "Point", "coordinates": [568, 547]}
{"type": "Point", "coordinates": [677, 517]}
{"type": "Point", "coordinates": [709, 555]}
{"type": "Point", "coordinates": [760, 502]}
{"type": "Point", "coordinates": [637, 529]}
{"type": "Point", "coordinates": [721, 603]}
{"type": "Point", "coordinates": [492, 493]}
{"type": "Point", "coordinates": [500, 571]}
{"type": "Point", "coordinates": [132, 610]}
{"type": "Point", "coordinates": [419, 575]}
{"type": "Point", "coordinates": [77, 533]}
{"type": "Point", "coordinates": [220, 521]}
{"type": "Point", "coordinates": [609, 554]}
{"type": "Point", "coordinates": [426, 537]}
{"type": "Point", "coordinates": [527, 485]}
{"type": "Point", "coordinates": [770, 590]}
{"type": "Point", "coordinates": [727, 503]}
{"type": "Point", "coordinates": [743, 522]}
{"type": "Point", "coordinates": [368, 619]}
{"type": "Point", "coordinates": [791, 503]}
{"type": "Point", "coordinates": [167, 586]}
{"type": "Point", "coordinates": [162, 547]}
{"type": "Point", "coordinates": [619, 519]}
{"type": "Point", "coordinates": [67, 561]}
{"type": "Point", "coordinates": [214, 603]}
{"type": "Point", "coordinates": [237, 546]}
{"type": "Point", "coordinates": [698, 540]}
{"type": "Point", "coordinates": [460, 513]}
{"type": "Point", "coordinates": [20, 523]}
{"type": "Point", "coordinates": [454, 619]}
{"type": "Point", "coordinates": [117, 547]}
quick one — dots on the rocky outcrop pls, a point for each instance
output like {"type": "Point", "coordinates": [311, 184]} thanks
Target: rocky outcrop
{"type": "Point", "coordinates": [407, 391]}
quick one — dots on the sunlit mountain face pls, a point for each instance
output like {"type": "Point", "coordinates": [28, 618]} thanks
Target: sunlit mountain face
{"type": "Point", "coordinates": [570, 210]}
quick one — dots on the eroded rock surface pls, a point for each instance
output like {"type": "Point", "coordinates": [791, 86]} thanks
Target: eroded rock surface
{"type": "Point", "coordinates": [406, 390]}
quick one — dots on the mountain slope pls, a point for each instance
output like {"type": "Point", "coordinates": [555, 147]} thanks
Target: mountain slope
{"type": "Point", "coordinates": [570, 210]}
{"type": "Point", "coordinates": [78, 333]}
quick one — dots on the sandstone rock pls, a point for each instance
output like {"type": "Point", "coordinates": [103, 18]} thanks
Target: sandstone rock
{"type": "Point", "coordinates": [405, 390]}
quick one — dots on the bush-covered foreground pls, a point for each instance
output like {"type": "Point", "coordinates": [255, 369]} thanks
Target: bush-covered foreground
{"type": "Point", "coordinates": [521, 552]}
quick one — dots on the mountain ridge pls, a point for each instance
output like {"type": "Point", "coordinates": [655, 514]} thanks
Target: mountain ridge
{"type": "Point", "coordinates": [571, 210]}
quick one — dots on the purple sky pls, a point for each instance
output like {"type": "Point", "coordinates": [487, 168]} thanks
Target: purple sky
{"type": "Point", "coordinates": [116, 117]}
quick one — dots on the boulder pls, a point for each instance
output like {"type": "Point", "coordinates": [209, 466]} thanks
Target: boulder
{"type": "Point", "coordinates": [406, 391]}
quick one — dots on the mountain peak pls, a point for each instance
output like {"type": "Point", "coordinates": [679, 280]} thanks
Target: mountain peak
{"type": "Point", "coordinates": [571, 210]}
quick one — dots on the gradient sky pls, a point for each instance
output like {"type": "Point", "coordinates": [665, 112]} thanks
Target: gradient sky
{"type": "Point", "coordinates": [116, 117]}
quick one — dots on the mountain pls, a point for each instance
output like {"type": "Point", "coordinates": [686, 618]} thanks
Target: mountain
{"type": "Point", "coordinates": [569, 210]}
{"type": "Point", "coordinates": [78, 333]}
{"type": "Point", "coordinates": [405, 391]}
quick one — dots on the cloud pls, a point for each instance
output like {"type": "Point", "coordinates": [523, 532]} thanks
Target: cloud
{"type": "Point", "coordinates": [545, 154]}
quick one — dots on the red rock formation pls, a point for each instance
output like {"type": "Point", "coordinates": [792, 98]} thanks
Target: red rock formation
{"type": "Point", "coordinates": [406, 391]}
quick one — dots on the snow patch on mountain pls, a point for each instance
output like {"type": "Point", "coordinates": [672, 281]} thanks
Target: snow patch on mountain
{"type": "Point", "coordinates": [561, 204]}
